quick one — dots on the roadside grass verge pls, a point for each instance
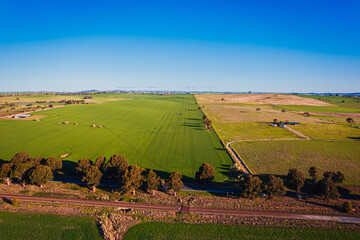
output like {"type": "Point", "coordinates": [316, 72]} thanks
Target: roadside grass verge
{"type": "Point", "coordinates": [277, 157]}
{"type": "Point", "coordinates": [157, 230]}
{"type": "Point", "coordinates": [46, 226]}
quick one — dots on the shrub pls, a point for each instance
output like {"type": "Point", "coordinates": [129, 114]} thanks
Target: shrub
{"type": "Point", "coordinates": [347, 207]}
{"type": "Point", "coordinates": [14, 202]}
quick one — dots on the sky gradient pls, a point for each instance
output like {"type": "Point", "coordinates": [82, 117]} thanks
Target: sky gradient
{"type": "Point", "coordinates": [268, 46]}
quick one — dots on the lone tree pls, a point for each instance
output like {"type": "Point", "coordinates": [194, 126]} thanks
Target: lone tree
{"type": "Point", "coordinates": [132, 179]}
{"type": "Point", "coordinates": [53, 163]}
{"type": "Point", "coordinates": [296, 179]}
{"type": "Point", "coordinates": [82, 166]}
{"type": "Point", "coordinates": [116, 167]}
{"type": "Point", "coordinates": [92, 177]}
{"type": "Point", "coordinates": [40, 175]}
{"type": "Point", "coordinates": [328, 185]}
{"type": "Point", "coordinates": [152, 181]}
{"type": "Point", "coordinates": [350, 121]}
{"type": "Point", "coordinates": [174, 182]}
{"type": "Point", "coordinates": [5, 170]}
{"type": "Point", "coordinates": [100, 163]}
{"type": "Point", "coordinates": [205, 174]}
{"type": "Point", "coordinates": [250, 186]}
{"type": "Point", "coordinates": [274, 186]}
{"type": "Point", "coordinates": [313, 171]}
{"type": "Point", "coordinates": [20, 158]}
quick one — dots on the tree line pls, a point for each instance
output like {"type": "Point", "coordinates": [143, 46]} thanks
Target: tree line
{"type": "Point", "coordinates": [38, 171]}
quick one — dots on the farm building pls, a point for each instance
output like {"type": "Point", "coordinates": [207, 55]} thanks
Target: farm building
{"type": "Point", "coordinates": [22, 116]}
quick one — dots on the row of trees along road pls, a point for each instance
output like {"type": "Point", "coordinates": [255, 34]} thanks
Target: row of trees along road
{"type": "Point", "coordinates": [39, 171]}
{"type": "Point", "coordinates": [130, 178]}
{"type": "Point", "coordinates": [24, 169]}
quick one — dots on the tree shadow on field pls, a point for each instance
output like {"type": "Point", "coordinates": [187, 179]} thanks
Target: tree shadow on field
{"type": "Point", "coordinates": [193, 119]}
{"type": "Point", "coordinates": [194, 126]}
{"type": "Point", "coordinates": [347, 194]}
{"type": "Point", "coordinates": [3, 161]}
{"type": "Point", "coordinates": [354, 138]}
{"type": "Point", "coordinates": [68, 167]}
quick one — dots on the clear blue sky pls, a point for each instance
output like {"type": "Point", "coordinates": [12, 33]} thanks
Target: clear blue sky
{"type": "Point", "coordinates": [274, 46]}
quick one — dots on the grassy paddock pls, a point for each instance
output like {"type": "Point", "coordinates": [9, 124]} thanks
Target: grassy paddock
{"type": "Point", "coordinates": [46, 226]}
{"type": "Point", "coordinates": [277, 157]}
{"type": "Point", "coordinates": [163, 133]}
{"type": "Point", "coordinates": [323, 109]}
{"type": "Point", "coordinates": [155, 230]}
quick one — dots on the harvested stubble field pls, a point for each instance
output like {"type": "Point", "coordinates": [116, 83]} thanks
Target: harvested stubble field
{"type": "Point", "coordinates": [164, 133]}
{"type": "Point", "coordinates": [264, 98]}
{"type": "Point", "coordinates": [159, 230]}
{"type": "Point", "coordinates": [277, 157]}
{"type": "Point", "coordinates": [46, 226]}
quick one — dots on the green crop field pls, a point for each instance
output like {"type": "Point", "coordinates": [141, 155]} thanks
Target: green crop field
{"type": "Point", "coordinates": [164, 133]}
{"type": "Point", "coordinates": [155, 230]}
{"type": "Point", "coordinates": [277, 157]}
{"type": "Point", "coordinates": [46, 226]}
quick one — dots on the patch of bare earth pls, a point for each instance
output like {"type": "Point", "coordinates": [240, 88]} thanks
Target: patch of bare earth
{"type": "Point", "coordinates": [266, 98]}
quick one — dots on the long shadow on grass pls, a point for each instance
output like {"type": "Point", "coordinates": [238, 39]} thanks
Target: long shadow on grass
{"type": "Point", "coordinates": [194, 126]}
{"type": "Point", "coordinates": [354, 138]}
{"type": "Point", "coordinates": [68, 167]}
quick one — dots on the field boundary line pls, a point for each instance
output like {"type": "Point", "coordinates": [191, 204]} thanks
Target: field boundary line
{"type": "Point", "coordinates": [296, 133]}
{"type": "Point", "coordinates": [237, 159]}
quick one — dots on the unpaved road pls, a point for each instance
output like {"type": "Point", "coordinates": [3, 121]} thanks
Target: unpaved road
{"type": "Point", "coordinates": [216, 211]}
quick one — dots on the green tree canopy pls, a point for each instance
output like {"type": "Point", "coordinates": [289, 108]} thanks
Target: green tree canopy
{"type": "Point", "coordinates": [20, 158]}
{"type": "Point", "coordinates": [295, 178]}
{"type": "Point", "coordinates": [100, 163]}
{"type": "Point", "coordinates": [132, 179]}
{"type": "Point", "coordinates": [92, 176]}
{"type": "Point", "coordinates": [274, 186]}
{"type": "Point", "coordinates": [152, 181]}
{"type": "Point", "coordinates": [174, 182]}
{"type": "Point", "coordinates": [205, 174]}
{"type": "Point", "coordinates": [116, 167]}
{"type": "Point", "coordinates": [19, 171]}
{"type": "Point", "coordinates": [313, 171]}
{"type": "Point", "coordinates": [82, 166]}
{"type": "Point", "coordinates": [250, 186]}
{"type": "Point", "coordinates": [54, 163]}
{"type": "Point", "coordinates": [40, 175]}
{"type": "Point", "coordinates": [5, 170]}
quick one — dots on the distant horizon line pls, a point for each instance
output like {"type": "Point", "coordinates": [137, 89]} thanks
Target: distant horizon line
{"type": "Point", "coordinates": [181, 91]}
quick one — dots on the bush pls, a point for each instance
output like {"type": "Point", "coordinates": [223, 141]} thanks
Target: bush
{"type": "Point", "coordinates": [14, 202]}
{"type": "Point", "coordinates": [347, 207]}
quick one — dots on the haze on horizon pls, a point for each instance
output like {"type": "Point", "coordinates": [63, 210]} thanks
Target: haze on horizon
{"type": "Point", "coordinates": [282, 46]}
